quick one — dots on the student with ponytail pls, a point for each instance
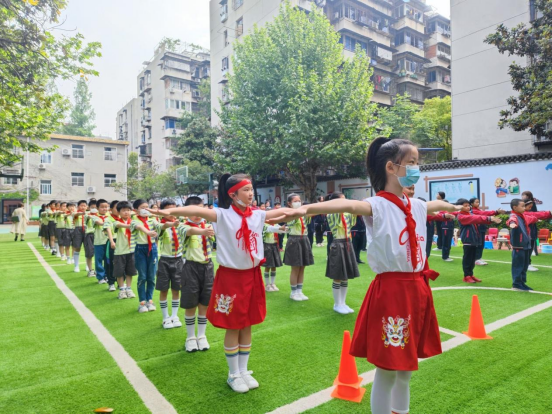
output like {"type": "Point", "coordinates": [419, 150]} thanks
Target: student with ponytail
{"type": "Point", "coordinates": [238, 297]}
{"type": "Point", "coordinates": [399, 301]}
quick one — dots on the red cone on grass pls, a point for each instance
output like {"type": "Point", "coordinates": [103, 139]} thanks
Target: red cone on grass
{"type": "Point", "coordinates": [476, 329]}
{"type": "Point", "coordinates": [347, 381]}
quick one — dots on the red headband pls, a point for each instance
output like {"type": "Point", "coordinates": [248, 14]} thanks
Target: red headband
{"type": "Point", "coordinates": [239, 185]}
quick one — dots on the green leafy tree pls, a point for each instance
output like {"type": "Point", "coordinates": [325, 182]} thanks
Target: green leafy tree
{"type": "Point", "coordinates": [171, 44]}
{"type": "Point", "coordinates": [82, 114]}
{"type": "Point", "coordinates": [297, 107]}
{"type": "Point", "coordinates": [198, 140]}
{"type": "Point", "coordinates": [204, 101]}
{"type": "Point", "coordinates": [30, 59]}
{"type": "Point", "coordinates": [531, 109]}
{"type": "Point", "coordinates": [433, 127]}
{"type": "Point", "coordinates": [198, 178]}
{"type": "Point", "coordinates": [398, 121]}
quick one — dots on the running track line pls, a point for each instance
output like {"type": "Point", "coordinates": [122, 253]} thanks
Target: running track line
{"type": "Point", "coordinates": [498, 261]}
{"type": "Point", "coordinates": [324, 396]}
{"type": "Point", "coordinates": [150, 395]}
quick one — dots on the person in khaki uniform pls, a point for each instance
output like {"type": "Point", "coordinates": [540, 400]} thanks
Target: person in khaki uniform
{"type": "Point", "coordinates": [19, 222]}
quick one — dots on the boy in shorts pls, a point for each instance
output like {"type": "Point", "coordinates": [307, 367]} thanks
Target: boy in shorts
{"type": "Point", "coordinates": [67, 241]}
{"type": "Point", "coordinates": [197, 279]}
{"type": "Point", "coordinates": [100, 241]}
{"type": "Point", "coordinates": [172, 236]}
{"type": "Point", "coordinates": [79, 220]}
{"type": "Point", "coordinates": [112, 238]}
{"type": "Point", "coordinates": [60, 229]}
{"type": "Point", "coordinates": [89, 237]}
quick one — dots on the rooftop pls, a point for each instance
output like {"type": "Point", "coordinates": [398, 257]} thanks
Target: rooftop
{"type": "Point", "coordinates": [89, 139]}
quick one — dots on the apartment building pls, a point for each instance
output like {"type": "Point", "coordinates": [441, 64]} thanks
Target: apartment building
{"type": "Point", "coordinates": [77, 168]}
{"type": "Point", "coordinates": [166, 87]}
{"type": "Point", "coordinates": [399, 37]}
{"type": "Point", "coordinates": [482, 84]}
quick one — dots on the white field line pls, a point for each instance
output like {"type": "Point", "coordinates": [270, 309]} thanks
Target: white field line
{"type": "Point", "coordinates": [449, 332]}
{"type": "Point", "coordinates": [498, 261]}
{"type": "Point", "coordinates": [150, 395]}
{"type": "Point", "coordinates": [324, 396]}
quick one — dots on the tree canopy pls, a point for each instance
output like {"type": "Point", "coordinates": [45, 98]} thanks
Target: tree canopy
{"type": "Point", "coordinates": [82, 114]}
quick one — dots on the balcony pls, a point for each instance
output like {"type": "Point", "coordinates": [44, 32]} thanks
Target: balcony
{"type": "Point", "coordinates": [172, 132]}
{"type": "Point", "coordinates": [412, 77]}
{"type": "Point", "coordinates": [436, 38]}
{"type": "Point", "coordinates": [364, 29]}
{"type": "Point", "coordinates": [444, 56]}
{"type": "Point", "coordinates": [172, 113]}
{"type": "Point", "coordinates": [411, 23]}
{"type": "Point", "coordinates": [407, 47]}
{"type": "Point", "coordinates": [542, 141]}
{"type": "Point", "coordinates": [170, 72]}
{"type": "Point", "coordinates": [439, 84]}
{"type": "Point", "coordinates": [146, 150]}
{"type": "Point", "coordinates": [146, 121]}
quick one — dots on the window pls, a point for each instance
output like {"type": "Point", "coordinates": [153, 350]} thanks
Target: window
{"type": "Point", "coordinates": [443, 49]}
{"type": "Point", "coordinates": [432, 76]}
{"type": "Point", "coordinates": [239, 27]}
{"type": "Point", "coordinates": [416, 92]}
{"type": "Point", "coordinates": [226, 42]}
{"type": "Point", "coordinates": [225, 64]}
{"type": "Point", "coordinates": [77, 179]}
{"type": "Point", "coordinates": [10, 180]}
{"type": "Point", "coordinates": [411, 66]}
{"type": "Point", "coordinates": [350, 43]}
{"type": "Point", "coordinates": [78, 151]}
{"type": "Point", "coordinates": [381, 83]}
{"type": "Point", "coordinates": [143, 137]}
{"type": "Point", "coordinates": [177, 65]}
{"type": "Point", "coordinates": [176, 104]}
{"type": "Point", "coordinates": [110, 154]}
{"type": "Point", "coordinates": [109, 180]}
{"type": "Point", "coordinates": [46, 157]}
{"type": "Point", "coordinates": [223, 10]}
{"type": "Point", "coordinates": [141, 84]}
{"type": "Point", "coordinates": [409, 38]}
{"type": "Point", "coordinates": [45, 186]}
{"type": "Point", "coordinates": [236, 4]}
{"type": "Point", "coordinates": [148, 78]}
{"type": "Point", "coordinates": [171, 123]}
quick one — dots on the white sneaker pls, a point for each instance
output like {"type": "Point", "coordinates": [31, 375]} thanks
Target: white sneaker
{"type": "Point", "coordinates": [191, 344]}
{"type": "Point", "coordinates": [122, 294]}
{"type": "Point", "coordinates": [69, 260]}
{"type": "Point", "coordinates": [483, 262]}
{"type": "Point", "coordinates": [176, 322]}
{"type": "Point", "coordinates": [130, 294]}
{"type": "Point", "coordinates": [63, 258]}
{"type": "Point", "coordinates": [202, 343]}
{"type": "Point", "coordinates": [341, 309]}
{"type": "Point", "coordinates": [249, 380]}
{"type": "Point", "coordinates": [302, 296]}
{"type": "Point", "coordinates": [349, 309]}
{"type": "Point", "coordinates": [532, 268]}
{"type": "Point", "coordinates": [111, 288]}
{"type": "Point", "coordinates": [268, 288]}
{"type": "Point", "coordinates": [91, 273]}
{"type": "Point", "coordinates": [478, 263]}
{"type": "Point", "coordinates": [58, 254]}
{"type": "Point", "coordinates": [151, 306]}
{"type": "Point", "coordinates": [275, 288]}
{"type": "Point", "coordinates": [142, 308]}
{"type": "Point", "coordinates": [76, 269]}
{"type": "Point", "coordinates": [167, 323]}
{"type": "Point", "coordinates": [448, 260]}
{"type": "Point", "coordinates": [295, 296]}
{"type": "Point", "coordinates": [102, 282]}
{"type": "Point", "coordinates": [237, 383]}
{"type": "Point", "coordinates": [435, 249]}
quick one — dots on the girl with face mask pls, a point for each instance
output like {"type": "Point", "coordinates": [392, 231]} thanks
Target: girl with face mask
{"type": "Point", "coordinates": [298, 253]}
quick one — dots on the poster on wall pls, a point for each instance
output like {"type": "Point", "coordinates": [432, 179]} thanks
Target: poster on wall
{"type": "Point", "coordinates": [455, 189]}
{"type": "Point", "coordinates": [357, 193]}
{"type": "Point", "coordinates": [503, 189]}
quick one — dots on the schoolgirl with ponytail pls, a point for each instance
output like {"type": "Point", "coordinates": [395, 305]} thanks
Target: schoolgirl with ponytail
{"type": "Point", "coordinates": [398, 302]}
{"type": "Point", "coordinates": [238, 296]}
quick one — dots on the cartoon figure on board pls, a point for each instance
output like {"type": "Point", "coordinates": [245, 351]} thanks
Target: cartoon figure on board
{"type": "Point", "coordinates": [501, 188]}
{"type": "Point", "coordinates": [513, 186]}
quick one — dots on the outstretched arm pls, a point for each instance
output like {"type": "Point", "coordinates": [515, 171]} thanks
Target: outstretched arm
{"type": "Point", "coordinates": [282, 215]}
{"type": "Point", "coordinates": [209, 215]}
{"type": "Point", "coordinates": [440, 205]}
{"type": "Point", "coordinates": [339, 205]}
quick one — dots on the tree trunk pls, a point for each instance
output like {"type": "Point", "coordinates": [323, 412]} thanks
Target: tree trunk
{"type": "Point", "coordinates": [306, 182]}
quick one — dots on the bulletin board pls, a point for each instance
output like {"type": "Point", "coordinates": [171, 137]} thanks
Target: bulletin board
{"type": "Point", "coordinates": [357, 193]}
{"type": "Point", "coordinates": [455, 189]}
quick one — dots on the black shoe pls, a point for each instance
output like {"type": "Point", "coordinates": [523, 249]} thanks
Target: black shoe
{"type": "Point", "coordinates": [360, 262]}
{"type": "Point", "coordinates": [521, 288]}
{"type": "Point", "coordinates": [54, 252]}
{"type": "Point", "coordinates": [15, 238]}
{"type": "Point", "coordinates": [527, 287]}
{"type": "Point", "coordinates": [22, 240]}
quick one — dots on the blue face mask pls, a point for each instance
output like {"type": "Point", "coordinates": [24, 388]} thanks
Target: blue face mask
{"type": "Point", "coordinates": [412, 175]}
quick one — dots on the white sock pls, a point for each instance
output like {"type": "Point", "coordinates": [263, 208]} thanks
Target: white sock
{"type": "Point", "coordinates": [266, 274]}
{"type": "Point", "coordinates": [164, 308]}
{"type": "Point", "coordinates": [243, 357]}
{"type": "Point", "coordinates": [76, 259]}
{"type": "Point", "coordinates": [272, 277]}
{"type": "Point", "coordinates": [175, 305]}
{"type": "Point", "coordinates": [57, 246]}
{"type": "Point", "coordinates": [201, 325]}
{"type": "Point", "coordinates": [400, 394]}
{"type": "Point", "coordinates": [294, 289]}
{"type": "Point", "coordinates": [336, 290]}
{"type": "Point", "coordinates": [344, 287]}
{"type": "Point", "coordinates": [232, 359]}
{"type": "Point", "coordinates": [380, 399]}
{"type": "Point", "coordinates": [299, 288]}
{"type": "Point", "coordinates": [190, 326]}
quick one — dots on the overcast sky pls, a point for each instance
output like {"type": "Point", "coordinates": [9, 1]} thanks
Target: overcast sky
{"type": "Point", "coordinates": [129, 30]}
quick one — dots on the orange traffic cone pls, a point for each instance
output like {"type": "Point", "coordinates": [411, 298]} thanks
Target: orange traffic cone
{"type": "Point", "coordinates": [477, 327]}
{"type": "Point", "coordinates": [347, 381]}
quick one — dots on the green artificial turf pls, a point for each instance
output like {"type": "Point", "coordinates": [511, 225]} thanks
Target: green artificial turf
{"type": "Point", "coordinates": [295, 351]}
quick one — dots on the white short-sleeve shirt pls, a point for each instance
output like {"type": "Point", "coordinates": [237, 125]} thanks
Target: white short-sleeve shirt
{"type": "Point", "coordinates": [388, 245]}
{"type": "Point", "coordinates": [231, 250]}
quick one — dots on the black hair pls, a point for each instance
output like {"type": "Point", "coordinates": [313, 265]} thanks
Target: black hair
{"type": "Point", "coordinates": [421, 198]}
{"type": "Point", "coordinates": [193, 201]}
{"type": "Point", "coordinates": [113, 203]}
{"type": "Point", "coordinates": [123, 204]}
{"type": "Point", "coordinates": [291, 197]}
{"type": "Point", "coordinates": [101, 201]}
{"type": "Point", "coordinates": [472, 200]}
{"type": "Point", "coordinates": [442, 194]}
{"type": "Point", "coordinates": [381, 151]}
{"type": "Point", "coordinates": [167, 202]}
{"type": "Point", "coordinates": [336, 195]}
{"type": "Point", "coordinates": [462, 201]}
{"type": "Point", "coordinates": [20, 204]}
{"type": "Point", "coordinates": [515, 202]}
{"type": "Point", "coordinates": [52, 202]}
{"type": "Point", "coordinates": [529, 195]}
{"type": "Point", "coordinates": [226, 182]}
{"type": "Point", "coordinates": [277, 204]}
{"type": "Point", "coordinates": [62, 202]}
{"type": "Point", "coordinates": [70, 204]}
{"type": "Point", "coordinates": [152, 205]}
{"type": "Point", "coordinates": [92, 202]}
{"type": "Point", "coordinates": [81, 202]}
{"type": "Point", "coordinates": [320, 199]}
{"type": "Point", "coordinates": [137, 203]}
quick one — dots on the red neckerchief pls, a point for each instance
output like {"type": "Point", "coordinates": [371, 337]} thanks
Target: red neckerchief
{"type": "Point", "coordinates": [302, 226]}
{"type": "Point", "coordinates": [127, 231]}
{"type": "Point", "coordinates": [244, 232]}
{"type": "Point", "coordinates": [522, 216]}
{"type": "Point", "coordinates": [175, 237]}
{"type": "Point", "coordinates": [344, 222]}
{"type": "Point", "coordinates": [203, 238]}
{"type": "Point", "coordinates": [410, 223]}
{"type": "Point", "coordinates": [82, 221]}
{"type": "Point", "coordinates": [145, 223]}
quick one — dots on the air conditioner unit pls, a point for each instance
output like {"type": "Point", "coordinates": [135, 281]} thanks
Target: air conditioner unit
{"type": "Point", "coordinates": [65, 152]}
{"type": "Point", "coordinates": [41, 166]}
{"type": "Point", "coordinates": [90, 189]}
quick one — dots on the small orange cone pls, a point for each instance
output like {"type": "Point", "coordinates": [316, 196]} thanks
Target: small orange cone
{"type": "Point", "coordinates": [347, 381]}
{"type": "Point", "coordinates": [476, 329]}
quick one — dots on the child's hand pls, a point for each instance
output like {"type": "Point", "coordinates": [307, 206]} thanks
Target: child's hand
{"type": "Point", "coordinates": [208, 232]}
{"type": "Point", "coordinates": [161, 213]}
{"type": "Point", "coordinates": [501, 211]}
{"type": "Point", "coordinates": [496, 220]}
{"type": "Point", "coordinates": [112, 244]}
{"type": "Point", "coordinates": [513, 225]}
{"type": "Point", "coordinates": [449, 216]}
{"type": "Point", "coordinates": [152, 233]}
